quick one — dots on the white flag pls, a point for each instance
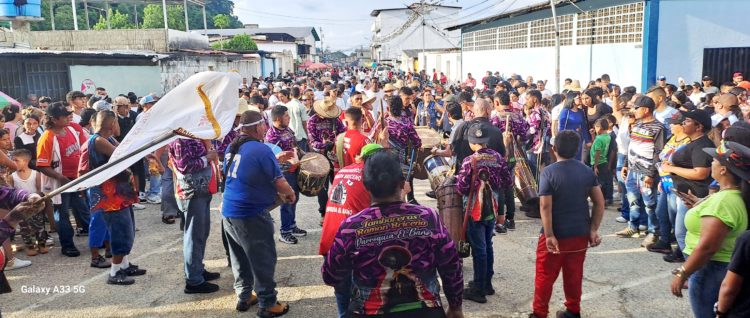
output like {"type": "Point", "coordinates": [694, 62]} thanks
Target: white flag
{"type": "Point", "coordinates": [203, 106]}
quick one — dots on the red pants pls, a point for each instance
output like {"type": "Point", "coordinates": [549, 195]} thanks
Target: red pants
{"type": "Point", "coordinates": [548, 266]}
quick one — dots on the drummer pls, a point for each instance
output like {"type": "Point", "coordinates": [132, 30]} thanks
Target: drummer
{"type": "Point", "coordinates": [281, 135]}
{"type": "Point", "coordinates": [482, 175]}
{"type": "Point", "coordinates": [402, 140]}
{"type": "Point", "coordinates": [322, 128]}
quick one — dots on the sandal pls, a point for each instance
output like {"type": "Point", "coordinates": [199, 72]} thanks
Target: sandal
{"type": "Point", "coordinates": [167, 219]}
{"type": "Point", "coordinates": [277, 310]}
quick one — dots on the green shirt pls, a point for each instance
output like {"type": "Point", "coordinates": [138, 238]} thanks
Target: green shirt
{"type": "Point", "coordinates": [725, 205]}
{"type": "Point", "coordinates": [601, 143]}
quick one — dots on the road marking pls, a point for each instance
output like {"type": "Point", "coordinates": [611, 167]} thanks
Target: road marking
{"type": "Point", "coordinates": [603, 291]}
{"type": "Point", "coordinates": [163, 249]}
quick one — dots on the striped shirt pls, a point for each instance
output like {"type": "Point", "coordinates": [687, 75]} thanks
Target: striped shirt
{"type": "Point", "coordinates": [647, 139]}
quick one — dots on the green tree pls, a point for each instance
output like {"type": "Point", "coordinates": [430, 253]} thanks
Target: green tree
{"type": "Point", "coordinates": [221, 21]}
{"type": "Point", "coordinates": [153, 18]}
{"type": "Point", "coordinates": [240, 42]}
{"type": "Point", "coordinates": [117, 20]}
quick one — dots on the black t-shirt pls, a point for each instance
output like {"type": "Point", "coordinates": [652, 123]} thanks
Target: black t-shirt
{"type": "Point", "coordinates": [692, 156]}
{"type": "Point", "coordinates": [569, 182]}
{"type": "Point", "coordinates": [460, 144]}
{"type": "Point", "coordinates": [740, 265]}
{"type": "Point", "coordinates": [601, 110]}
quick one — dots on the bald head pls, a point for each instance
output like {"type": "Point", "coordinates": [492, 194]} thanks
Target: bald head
{"type": "Point", "coordinates": [482, 108]}
{"type": "Point", "coordinates": [726, 101]}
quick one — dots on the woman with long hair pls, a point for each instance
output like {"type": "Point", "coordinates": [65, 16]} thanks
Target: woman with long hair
{"type": "Point", "coordinates": [573, 118]}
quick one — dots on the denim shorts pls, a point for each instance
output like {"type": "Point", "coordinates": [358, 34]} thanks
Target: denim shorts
{"type": "Point", "coordinates": [98, 232]}
{"type": "Point", "coordinates": [120, 226]}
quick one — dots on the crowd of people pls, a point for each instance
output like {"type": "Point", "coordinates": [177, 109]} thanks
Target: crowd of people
{"type": "Point", "coordinates": [673, 160]}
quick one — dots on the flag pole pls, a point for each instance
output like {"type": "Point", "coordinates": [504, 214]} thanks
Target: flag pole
{"type": "Point", "coordinates": [105, 166]}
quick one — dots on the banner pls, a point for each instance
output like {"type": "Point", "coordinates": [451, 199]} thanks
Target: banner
{"type": "Point", "coordinates": [203, 106]}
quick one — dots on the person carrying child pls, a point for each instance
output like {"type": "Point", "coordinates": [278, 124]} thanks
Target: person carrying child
{"type": "Point", "coordinates": [480, 179]}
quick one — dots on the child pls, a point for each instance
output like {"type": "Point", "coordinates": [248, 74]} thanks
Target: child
{"type": "Point", "coordinates": [611, 155]}
{"type": "Point", "coordinates": [33, 233]}
{"type": "Point", "coordinates": [480, 179]}
{"type": "Point", "coordinates": [599, 155]}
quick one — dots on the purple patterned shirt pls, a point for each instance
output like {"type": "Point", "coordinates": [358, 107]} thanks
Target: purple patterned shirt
{"type": "Point", "coordinates": [401, 131]}
{"type": "Point", "coordinates": [322, 130]}
{"type": "Point", "coordinates": [489, 163]}
{"type": "Point", "coordinates": [188, 155]}
{"type": "Point", "coordinates": [222, 147]}
{"type": "Point", "coordinates": [282, 137]}
{"type": "Point", "coordinates": [535, 119]}
{"type": "Point", "coordinates": [395, 251]}
{"type": "Point", "coordinates": [518, 125]}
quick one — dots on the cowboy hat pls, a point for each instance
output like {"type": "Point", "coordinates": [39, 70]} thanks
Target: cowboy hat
{"type": "Point", "coordinates": [389, 87]}
{"type": "Point", "coordinates": [326, 108]}
{"type": "Point", "coordinates": [368, 100]}
{"type": "Point", "coordinates": [575, 86]}
{"type": "Point", "coordinates": [399, 84]}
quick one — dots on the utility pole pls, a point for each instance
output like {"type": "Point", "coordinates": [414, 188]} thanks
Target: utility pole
{"type": "Point", "coordinates": [75, 16]}
{"type": "Point", "coordinates": [424, 64]}
{"type": "Point", "coordinates": [557, 46]}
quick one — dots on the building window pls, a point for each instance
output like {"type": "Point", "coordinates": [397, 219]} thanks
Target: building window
{"type": "Point", "coordinates": [543, 31]}
{"type": "Point", "coordinates": [618, 24]}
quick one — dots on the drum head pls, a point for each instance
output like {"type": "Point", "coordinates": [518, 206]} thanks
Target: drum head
{"type": "Point", "coordinates": [318, 165]}
{"type": "Point", "coordinates": [429, 137]}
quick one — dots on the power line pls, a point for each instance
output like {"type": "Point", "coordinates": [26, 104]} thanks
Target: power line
{"type": "Point", "coordinates": [298, 17]}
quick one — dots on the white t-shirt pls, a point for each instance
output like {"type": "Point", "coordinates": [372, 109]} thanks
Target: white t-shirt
{"type": "Point", "coordinates": [342, 104]}
{"type": "Point", "coordinates": [319, 95]}
{"type": "Point", "coordinates": [272, 101]}
{"type": "Point", "coordinates": [555, 114]}
{"type": "Point", "coordinates": [546, 93]}
{"type": "Point", "coordinates": [297, 115]}
{"type": "Point", "coordinates": [76, 118]}
{"type": "Point", "coordinates": [623, 136]}
{"type": "Point", "coordinates": [379, 99]}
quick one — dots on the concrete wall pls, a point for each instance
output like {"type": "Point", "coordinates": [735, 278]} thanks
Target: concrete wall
{"type": "Point", "coordinates": [157, 40]}
{"type": "Point", "coordinates": [447, 62]}
{"type": "Point", "coordinates": [141, 80]}
{"type": "Point", "coordinates": [411, 38]}
{"type": "Point", "coordinates": [582, 62]}
{"type": "Point", "coordinates": [687, 27]}
{"type": "Point", "coordinates": [175, 70]}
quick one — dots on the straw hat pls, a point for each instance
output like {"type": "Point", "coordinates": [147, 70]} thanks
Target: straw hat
{"type": "Point", "coordinates": [389, 87]}
{"type": "Point", "coordinates": [368, 100]}
{"type": "Point", "coordinates": [242, 107]}
{"type": "Point", "coordinates": [326, 108]}
{"type": "Point", "coordinates": [399, 84]}
{"type": "Point", "coordinates": [575, 86]}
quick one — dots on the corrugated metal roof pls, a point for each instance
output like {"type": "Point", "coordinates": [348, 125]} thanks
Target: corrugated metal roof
{"type": "Point", "coordinates": [296, 32]}
{"type": "Point", "coordinates": [91, 52]}
{"type": "Point", "coordinates": [505, 8]}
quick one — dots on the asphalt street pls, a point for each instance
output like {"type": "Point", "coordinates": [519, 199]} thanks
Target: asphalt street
{"type": "Point", "coordinates": [621, 278]}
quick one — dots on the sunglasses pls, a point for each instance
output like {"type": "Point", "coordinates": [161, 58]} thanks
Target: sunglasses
{"type": "Point", "coordinates": [305, 99]}
{"type": "Point", "coordinates": [122, 105]}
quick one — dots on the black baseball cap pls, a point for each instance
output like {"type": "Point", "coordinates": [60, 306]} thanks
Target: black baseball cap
{"type": "Point", "coordinates": [644, 101]}
{"type": "Point", "coordinates": [700, 116]}
{"type": "Point", "coordinates": [707, 78]}
{"type": "Point", "coordinates": [57, 110]}
{"type": "Point", "coordinates": [478, 134]}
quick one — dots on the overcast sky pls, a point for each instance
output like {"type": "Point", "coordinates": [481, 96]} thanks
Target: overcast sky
{"type": "Point", "coordinates": [346, 24]}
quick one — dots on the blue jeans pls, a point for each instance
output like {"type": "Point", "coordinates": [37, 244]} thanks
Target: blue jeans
{"type": "Point", "coordinates": [289, 211]}
{"type": "Point", "coordinates": [168, 202]}
{"type": "Point", "coordinates": [479, 235]}
{"type": "Point", "coordinates": [666, 210]}
{"type": "Point", "coordinates": [197, 227]}
{"type": "Point", "coordinates": [122, 230]}
{"type": "Point", "coordinates": [680, 231]}
{"type": "Point", "coordinates": [704, 287]}
{"type": "Point", "coordinates": [154, 185]}
{"type": "Point", "coordinates": [252, 252]}
{"type": "Point", "coordinates": [641, 197]}
{"type": "Point", "coordinates": [62, 218]}
{"type": "Point", "coordinates": [343, 293]}
{"type": "Point", "coordinates": [624, 206]}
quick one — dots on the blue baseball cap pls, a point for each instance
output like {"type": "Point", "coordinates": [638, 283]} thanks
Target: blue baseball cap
{"type": "Point", "coordinates": [148, 99]}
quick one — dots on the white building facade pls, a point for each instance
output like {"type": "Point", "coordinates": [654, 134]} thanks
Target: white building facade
{"type": "Point", "coordinates": [632, 41]}
{"type": "Point", "coordinates": [399, 29]}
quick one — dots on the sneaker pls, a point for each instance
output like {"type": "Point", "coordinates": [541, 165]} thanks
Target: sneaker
{"type": "Point", "coordinates": [628, 232]}
{"type": "Point", "coordinates": [566, 314]}
{"type": "Point", "coordinates": [500, 229]}
{"type": "Point", "coordinates": [100, 262]}
{"type": "Point", "coordinates": [204, 288]}
{"type": "Point", "coordinates": [82, 232]}
{"type": "Point", "coordinates": [650, 240]}
{"type": "Point", "coordinates": [431, 195]}
{"type": "Point", "coordinates": [299, 232]}
{"type": "Point", "coordinates": [209, 276]}
{"type": "Point", "coordinates": [133, 270]}
{"type": "Point", "coordinates": [475, 295]}
{"type": "Point", "coordinates": [142, 197]}
{"type": "Point", "coordinates": [277, 310]}
{"type": "Point", "coordinates": [120, 278]}
{"type": "Point", "coordinates": [510, 224]}
{"type": "Point", "coordinates": [153, 199]}
{"type": "Point", "coordinates": [674, 257]}
{"type": "Point", "coordinates": [660, 247]}
{"type": "Point", "coordinates": [137, 206]}
{"type": "Point", "coordinates": [71, 252]}
{"type": "Point", "coordinates": [16, 263]}
{"type": "Point", "coordinates": [287, 238]}
{"type": "Point", "coordinates": [50, 242]}
{"type": "Point", "coordinates": [642, 228]}
{"type": "Point", "coordinates": [620, 219]}
{"type": "Point", "coordinates": [244, 305]}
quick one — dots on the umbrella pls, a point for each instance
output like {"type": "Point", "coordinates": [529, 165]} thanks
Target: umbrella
{"type": "Point", "coordinates": [6, 100]}
{"type": "Point", "coordinates": [318, 66]}
{"type": "Point", "coordinates": [306, 64]}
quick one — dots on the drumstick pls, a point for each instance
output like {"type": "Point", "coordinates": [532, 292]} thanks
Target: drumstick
{"type": "Point", "coordinates": [507, 122]}
{"type": "Point", "coordinates": [306, 160]}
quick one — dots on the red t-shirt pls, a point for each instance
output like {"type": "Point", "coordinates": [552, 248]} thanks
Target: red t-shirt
{"type": "Point", "coordinates": [70, 150]}
{"type": "Point", "coordinates": [347, 196]}
{"type": "Point", "coordinates": [353, 143]}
